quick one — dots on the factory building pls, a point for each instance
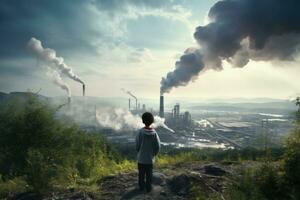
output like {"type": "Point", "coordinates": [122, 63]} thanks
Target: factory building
{"type": "Point", "coordinates": [177, 119]}
{"type": "Point", "coordinates": [187, 118]}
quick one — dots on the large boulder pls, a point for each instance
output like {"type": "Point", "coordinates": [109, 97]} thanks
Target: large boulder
{"type": "Point", "coordinates": [214, 170]}
{"type": "Point", "coordinates": [158, 179]}
{"type": "Point", "coordinates": [180, 184]}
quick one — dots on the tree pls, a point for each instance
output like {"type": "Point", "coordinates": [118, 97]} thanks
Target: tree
{"type": "Point", "coordinates": [36, 145]}
{"type": "Point", "coordinates": [291, 158]}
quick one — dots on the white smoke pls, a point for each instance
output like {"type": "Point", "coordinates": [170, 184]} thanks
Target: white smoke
{"type": "Point", "coordinates": [160, 122]}
{"type": "Point", "coordinates": [56, 78]}
{"type": "Point", "coordinates": [49, 56]}
{"type": "Point", "coordinates": [118, 119]}
{"type": "Point", "coordinates": [122, 119]}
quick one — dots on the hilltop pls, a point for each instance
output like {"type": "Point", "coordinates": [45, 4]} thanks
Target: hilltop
{"type": "Point", "coordinates": [180, 181]}
{"type": "Point", "coordinates": [45, 156]}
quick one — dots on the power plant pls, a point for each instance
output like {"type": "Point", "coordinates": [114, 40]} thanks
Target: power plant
{"type": "Point", "coordinates": [177, 128]}
{"type": "Point", "coordinates": [176, 119]}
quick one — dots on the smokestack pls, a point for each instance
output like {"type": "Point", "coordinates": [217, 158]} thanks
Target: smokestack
{"type": "Point", "coordinates": [144, 107]}
{"type": "Point", "coordinates": [176, 110]}
{"type": "Point", "coordinates": [49, 56]}
{"type": "Point", "coordinates": [129, 104]}
{"type": "Point", "coordinates": [136, 101]}
{"type": "Point", "coordinates": [83, 89]}
{"type": "Point", "coordinates": [135, 104]}
{"type": "Point", "coordinates": [161, 106]}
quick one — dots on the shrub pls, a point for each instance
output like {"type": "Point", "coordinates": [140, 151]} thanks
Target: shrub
{"type": "Point", "coordinates": [17, 185]}
{"type": "Point", "coordinates": [36, 145]}
{"type": "Point", "coordinates": [291, 162]}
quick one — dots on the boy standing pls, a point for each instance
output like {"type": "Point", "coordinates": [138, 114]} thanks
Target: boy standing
{"type": "Point", "coordinates": [147, 146]}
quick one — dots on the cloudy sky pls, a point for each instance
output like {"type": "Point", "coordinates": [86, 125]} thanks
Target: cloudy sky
{"type": "Point", "coordinates": [131, 44]}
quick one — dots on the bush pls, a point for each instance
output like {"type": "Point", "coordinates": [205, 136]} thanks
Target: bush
{"type": "Point", "coordinates": [291, 158]}
{"type": "Point", "coordinates": [269, 182]}
{"type": "Point", "coordinates": [244, 187]}
{"type": "Point", "coordinates": [34, 144]}
{"type": "Point", "coordinates": [17, 185]}
{"type": "Point", "coordinates": [291, 162]}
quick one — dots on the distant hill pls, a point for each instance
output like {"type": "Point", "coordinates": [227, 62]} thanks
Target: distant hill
{"type": "Point", "coordinates": [23, 96]}
{"type": "Point", "coordinates": [277, 107]}
{"type": "Point", "coordinates": [269, 105]}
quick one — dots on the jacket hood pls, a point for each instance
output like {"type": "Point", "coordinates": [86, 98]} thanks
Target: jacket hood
{"type": "Point", "coordinates": [148, 131]}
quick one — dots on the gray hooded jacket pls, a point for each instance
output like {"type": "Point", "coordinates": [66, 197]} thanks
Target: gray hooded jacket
{"type": "Point", "coordinates": [147, 145]}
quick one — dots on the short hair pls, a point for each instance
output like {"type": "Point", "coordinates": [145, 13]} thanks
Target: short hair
{"type": "Point", "coordinates": [147, 118]}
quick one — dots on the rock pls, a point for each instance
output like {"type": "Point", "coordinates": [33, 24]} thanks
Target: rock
{"type": "Point", "coordinates": [79, 196]}
{"type": "Point", "coordinates": [180, 185]}
{"type": "Point", "coordinates": [25, 196]}
{"type": "Point", "coordinates": [214, 170]}
{"type": "Point", "coordinates": [71, 194]}
{"type": "Point", "coordinates": [132, 193]}
{"type": "Point", "coordinates": [158, 179]}
{"type": "Point", "coordinates": [136, 194]}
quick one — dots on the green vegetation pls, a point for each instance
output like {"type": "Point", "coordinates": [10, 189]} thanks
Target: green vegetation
{"type": "Point", "coordinates": [275, 174]}
{"type": "Point", "coordinates": [217, 155]}
{"type": "Point", "coordinates": [40, 153]}
{"type": "Point", "coordinates": [272, 180]}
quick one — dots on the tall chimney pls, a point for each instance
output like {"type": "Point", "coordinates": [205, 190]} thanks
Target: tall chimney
{"type": "Point", "coordinates": [129, 104]}
{"type": "Point", "coordinates": [136, 104]}
{"type": "Point", "coordinates": [161, 106]}
{"type": "Point", "coordinates": [83, 90]}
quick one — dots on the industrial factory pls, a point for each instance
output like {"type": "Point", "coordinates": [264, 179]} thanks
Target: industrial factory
{"type": "Point", "coordinates": [173, 118]}
{"type": "Point", "coordinates": [118, 121]}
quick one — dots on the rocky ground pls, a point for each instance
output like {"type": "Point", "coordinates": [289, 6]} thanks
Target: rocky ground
{"type": "Point", "coordinates": [176, 182]}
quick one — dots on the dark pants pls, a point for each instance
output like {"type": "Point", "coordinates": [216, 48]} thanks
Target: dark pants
{"type": "Point", "coordinates": [145, 169]}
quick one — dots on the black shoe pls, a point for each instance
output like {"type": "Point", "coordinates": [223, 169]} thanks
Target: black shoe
{"type": "Point", "coordinates": [149, 190]}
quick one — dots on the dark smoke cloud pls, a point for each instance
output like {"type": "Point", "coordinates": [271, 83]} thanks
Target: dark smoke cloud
{"type": "Point", "coordinates": [187, 68]}
{"type": "Point", "coordinates": [243, 30]}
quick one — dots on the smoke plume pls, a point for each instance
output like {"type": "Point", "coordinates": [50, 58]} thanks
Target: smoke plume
{"type": "Point", "coordinates": [130, 94]}
{"type": "Point", "coordinates": [49, 56]}
{"type": "Point", "coordinates": [239, 31]}
{"type": "Point", "coordinates": [57, 80]}
{"type": "Point", "coordinates": [122, 119]}
{"type": "Point", "coordinates": [186, 69]}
